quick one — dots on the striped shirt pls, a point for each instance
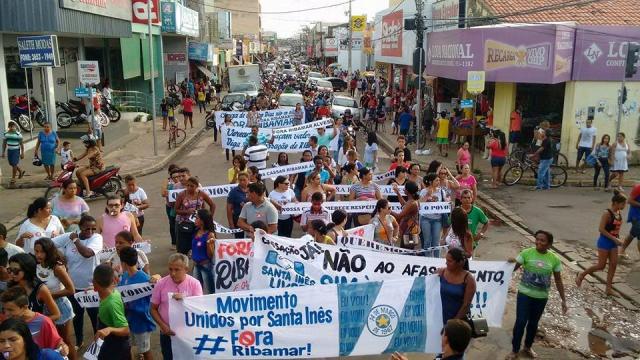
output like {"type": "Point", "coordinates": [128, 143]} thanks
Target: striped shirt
{"type": "Point", "coordinates": [308, 216]}
{"type": "Point", "coordinates": [365, 192]}
{"type": "Point", "coordinates": [257, 156]}
{"type": "Point", "coordinates": [13, 139]}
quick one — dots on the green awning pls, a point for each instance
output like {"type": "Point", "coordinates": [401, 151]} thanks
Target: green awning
{"type": "Point", "coordinates": [130, 49]}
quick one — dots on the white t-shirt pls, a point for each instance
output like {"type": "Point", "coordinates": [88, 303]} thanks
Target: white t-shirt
{"type": "Point", "coordinates": [65, 156]}
{"type": "Point", "coordinates": [586, 136]}
{"type": "Point", "coordinates": [257, 156]}
{"type": "Point", "coordinates": [282, 199]}
{"type": "Point", "coordinates": [137, 198]}
{"type": "Point", "coordinates": [368, 153]}
{"type": "Point", "coordinates": [80, 267]}
{"type": "Point", "coordinates": [12, 249]}
{"type": "Point", "coordinates": [54, 228]}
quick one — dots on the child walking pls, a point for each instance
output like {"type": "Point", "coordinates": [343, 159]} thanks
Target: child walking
{"type": "Point", "coordinates": [112, 322]}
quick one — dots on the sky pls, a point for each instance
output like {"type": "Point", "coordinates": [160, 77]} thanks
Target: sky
{"type": "Point", "coordinates": [288, 25]}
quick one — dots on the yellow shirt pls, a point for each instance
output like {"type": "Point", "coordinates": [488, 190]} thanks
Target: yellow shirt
{"type": "Point", "coordinates": [231, 173]}
{"type": "Point", "coordinates": [201, 96]}
{"type": "Point", "coordinates": [443, 128]}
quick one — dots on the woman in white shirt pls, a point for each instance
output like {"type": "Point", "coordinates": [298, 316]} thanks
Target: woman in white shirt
{"type": "Point", "coordinates": [40, 223]}
{"type": "Point", "coordinates": [283, 194]}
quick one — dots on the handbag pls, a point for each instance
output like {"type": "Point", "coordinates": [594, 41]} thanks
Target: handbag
{"type": "Point", "coordinates": [478, 324]}
{"type": "Point", "coordinates": [186, 227]}
{"type": "Point", "coordinates": [591, 160]}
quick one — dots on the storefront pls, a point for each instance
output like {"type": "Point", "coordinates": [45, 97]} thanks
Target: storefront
{"type": "Point", "coordinates": [201, 58]}
{"type": "Point", "coordinates": [526, 67]}
{"type": "Point", "coordinates": [84, 32]}
{"type": "Point", "coordinates": [178, 24]}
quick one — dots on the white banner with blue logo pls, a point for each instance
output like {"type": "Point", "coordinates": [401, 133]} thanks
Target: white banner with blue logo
{"type": "Point", "coordinates": [274, 118]}
{"type": "Point", "coordinates": [365, 318]}
{"type": "Point", "coordinates": [280, 262]}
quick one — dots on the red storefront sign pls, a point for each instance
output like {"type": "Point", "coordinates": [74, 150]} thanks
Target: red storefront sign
{"type": "Point", "coordinates": [139, 15]}
{"type": "Point", "coordinates": [391, 39]}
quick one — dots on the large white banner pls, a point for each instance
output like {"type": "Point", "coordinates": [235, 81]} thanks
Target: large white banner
{"type": "Point", "coordinates": [322, 123]}
{"type": "Point", "coordinates": [276, 118]}
{"type": "Point", "coordinates": [232, 264]}
{"type": "Point", "coordinates": [281, 262]}
{"type": "Point", "coordinates": [360, 207]}
{"type": "Point", "coordinates": [385, 190]}
{"type": "Point", "coordinates": [369, 318]}
{"type": "Point", "coordinates": [233, 138]}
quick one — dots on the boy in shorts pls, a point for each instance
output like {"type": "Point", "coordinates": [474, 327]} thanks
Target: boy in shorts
{"type": "Point", "coordinates": [137, 311]}
{"type": "Point", "coordinates": [113, 326]}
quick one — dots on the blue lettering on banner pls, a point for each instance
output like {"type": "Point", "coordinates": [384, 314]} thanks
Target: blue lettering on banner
{"type": "Point", "coordinates": [355, 302]}
{"type": "Point", "coordinates": [412, 324]}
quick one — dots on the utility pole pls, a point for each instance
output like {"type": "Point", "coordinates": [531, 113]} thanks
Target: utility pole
{"type": "Point", "coordinates": [420, 59]}
{"type": "Point", "coordinates": [350, 39]}
{"type": "Point", "coordinates": [153, 83]}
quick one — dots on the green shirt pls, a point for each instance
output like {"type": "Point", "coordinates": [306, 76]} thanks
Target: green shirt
{"type": "Point", "coordinates": [111, 311]}
{"type": "Point", "coordinates": [13, 139]}
{"type": "Point", "coordinates": [537, 270]}
{"type": "Point", "coordinates": [475, 217]}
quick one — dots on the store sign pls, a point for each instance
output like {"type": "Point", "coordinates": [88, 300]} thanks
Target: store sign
{"type": "Point", "coordinates": [187, 21]}
{"type": "Point", "coordinates": [358, 23]}
{"type": "Point", "coordinates": [330, 47]}
{"type": "Point", "coordinates": [140, 12]}
{"type": "Point", "coordinates": [88, 72]}
{"type": "Point", "coordinates": [38, 51]}
{"type": "Point", "coordinates": [445, 14]}
{"type": "Point", "coordinates": [168, 17]}
{"type": "Point", "coordinates": [392, 25]}
{"type": "Point", "coordinates": [226, 44]}
{"type": "Point", "coordinates": [179, 59]}
{"type": "Point", "coordinates": [475, 82]}
{"type": "Point", "coordinates": [198, 51]}
{"type": "Point", "coordinates": [356, 44]}
{"type": "Point", "coordinates": [119, 9]}
{"type": "Point", "coordinates": [512, 54]}
{"type": "Point", "coordinates": [601, 51]}
{"type": "Point", "coordinates": [466, 104]}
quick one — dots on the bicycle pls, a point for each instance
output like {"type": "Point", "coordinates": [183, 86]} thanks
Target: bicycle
{"type": "Point", "coordinates": [176, 136]}
{"type": "Point", "coordinates": [520, 152]}
{"type": "Point", "coordinates": [514, 173]}
{"type": "Point", "coordinates": [413, 134]}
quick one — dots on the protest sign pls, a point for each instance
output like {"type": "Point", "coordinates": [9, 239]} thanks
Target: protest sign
{"type": "Point", "coordinates": [384, 176]}
{"type": "Point", "coordinates": [220, 229]}
{"type": "Point", "coordinates": [232, 264]}
{"type": "Point", "coordinates": [90, 298]}
{"type": "Point", "coordinates": [213, 191]}
{"type": "Point", "coordinates": [385, 190]}
{"type": "Point", "coordinates": [282, 262]}
{"type": "Point", "coordinates": [233, 138]}
{"type": "Point", "coordinates": [276, 118]}
{"type": "Point", "coordinates": [323, 123]}
{"type": "Point", "coordinates": [105, 254]}
{"type": "Point", "coordinates": [369, 318]}
{"type": "Point", "coordinates": [274, 172]}
{"type": "Point", "coordinates": [359, 207]}
{"type": "Point", "coordinates": [93, 350]}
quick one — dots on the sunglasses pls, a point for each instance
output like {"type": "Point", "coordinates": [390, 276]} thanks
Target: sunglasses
{"type": "Point", "coordinates": [13, 270]}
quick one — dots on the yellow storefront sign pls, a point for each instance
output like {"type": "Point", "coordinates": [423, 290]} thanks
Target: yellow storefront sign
{"type": "Point", "coordinates": [475, 82]}
{"type": "Point", "coordinates": [358, 23]}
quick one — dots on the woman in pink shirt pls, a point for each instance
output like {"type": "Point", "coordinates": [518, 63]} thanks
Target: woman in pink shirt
{"type": "Point", "coordinates": [187, 110]}
{"type": "Point", "coordinates": [115, 220]}
{"type": "Point", "coordinates": [466, 181]}
{"type": "Point", "coordinates": [182, 285]}
{"type": "Point", "coordinates": [464, 157]}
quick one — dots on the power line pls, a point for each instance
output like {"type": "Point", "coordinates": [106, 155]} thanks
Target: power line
{"type": "Point", "coordinates": [281, 12]}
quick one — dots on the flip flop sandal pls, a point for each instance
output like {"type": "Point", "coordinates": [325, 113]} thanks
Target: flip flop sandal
{"type": "Point", "coordinates": [21, 174]}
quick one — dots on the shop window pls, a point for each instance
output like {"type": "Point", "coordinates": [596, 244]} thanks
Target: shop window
{"type": "Point", "coordinates": [15, 74]}
{"type": "Point", "coordinates": [540, 102]}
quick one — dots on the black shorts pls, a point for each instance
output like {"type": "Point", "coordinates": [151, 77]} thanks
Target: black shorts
{"type": "Point", "coordinates": [188, 113]}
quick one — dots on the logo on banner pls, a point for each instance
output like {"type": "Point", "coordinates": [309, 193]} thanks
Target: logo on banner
{"type": "Point", "coordinates": [382, 320]}
{"type": "Point", "coordinates": [392, 34]}
{"type": "Point", "coordinates": [500, 55]}
{"type": "Point", "coordinates": [140, 15]}
{"type": "Point", "coordinates": [593, 53]}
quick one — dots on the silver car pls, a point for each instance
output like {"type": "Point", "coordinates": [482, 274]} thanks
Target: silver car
{"type": "Point", "coordinates": [341, 103]}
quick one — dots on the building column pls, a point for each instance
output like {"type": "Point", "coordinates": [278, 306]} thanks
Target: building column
{"type": "Point", "coordinates": [5, 113]}
{"type": "Point", "coordinates": [504, 103]}
{"type": "Point", "coordinates": [569, 131]}
{"type": "Point", "coordinates": [81, 53]}
{"type": "Point", "coordinates": [50, 96]}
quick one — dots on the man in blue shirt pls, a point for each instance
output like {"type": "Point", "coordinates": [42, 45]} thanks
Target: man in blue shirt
{"type": "Point", "coordinates": [263, 139]}
{"type": "Point", "coordinates": [405, 121]}
{"type": "Point", "coordinates": [325, 172]}
{"type": "Point", "coordinates": [235, 201]}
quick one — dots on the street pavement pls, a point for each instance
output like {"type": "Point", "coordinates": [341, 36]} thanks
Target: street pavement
{"type": "Point", "coordinates": [565, 336]}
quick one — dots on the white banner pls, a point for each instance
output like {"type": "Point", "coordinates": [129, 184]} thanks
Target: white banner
{"type": "Point", "coordinates": [323, 123]}
{"type": "Point", "coordinates": [270, 119]}
{"type": "Point", "coordinates": [274, 172]}
{"type": "Point", "coordinates": [369, 318]}
{"type": "Point", "coordinates": [281, 262]}
{"type": "Point", "coordinates": [233, 138]}
{"type": "Point", "coordinates": [105, 254]}
{"type": "Point", "coordinates": [385, 190]}
{"type": "Point", "coordinates": [220, 229]}
{"type": "Point", "coordinates": [90, 298]}
{"type": "Point", "coordinates": [213, 191]}
{"type": "Point", "coordinates": [384, 176]}
{"type": "Point", "coordinates": [361, 237]}
{"type": "Point", "coordinates": [93, 350]}
{"type": "Point", "coordinates": [232, 264]}
{"type": "Point", "coordinates": [360, 207]}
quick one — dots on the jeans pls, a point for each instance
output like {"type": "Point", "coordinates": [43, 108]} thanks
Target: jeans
{"type": "Point", "coordinates": [78, 320]}
{"type": "Point", "coordinates": [430, 229]}
{"type": "Point", "coordinates": [239, 235]}
{"type": "Point", "coordinates": [544, 174]}
{"type": "Point", "coordinates": [172, 224]}
{"type": "Point", "coordinates": [204, 274]}
{"type": "Point", "coordinates": [165, 347]}
{"type": "Point", "coordinates": [201, 106]}
{"type": "Point", "coordinates": [602, 163]}
{"type": "Point", "coordinates": [528, 312]}
{"type": "Point", "coordinates": [583, 151]}
{"type": "Point", "coordinates": [285, 227]}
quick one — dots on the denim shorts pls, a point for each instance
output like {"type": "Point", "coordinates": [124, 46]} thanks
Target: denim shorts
{"type": "Point", "coordinates": [141, 341]}
{"type": "Point", "coordinates": [635, 229]}
{"type": "Point", "coordinates": [498, 161]}
{"type": "Point", "coordinates": [66, 310]}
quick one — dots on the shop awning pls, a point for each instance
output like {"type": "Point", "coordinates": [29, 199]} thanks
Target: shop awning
{"type": "Point", "coordinates": [205, 71]}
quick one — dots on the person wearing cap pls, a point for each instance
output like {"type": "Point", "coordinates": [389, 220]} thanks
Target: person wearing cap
{"type": "Point", "coordinates": [13, 148]}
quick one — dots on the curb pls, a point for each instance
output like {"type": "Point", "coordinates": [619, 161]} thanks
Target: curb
{"type": "Point", "coordinates": [629, 297]}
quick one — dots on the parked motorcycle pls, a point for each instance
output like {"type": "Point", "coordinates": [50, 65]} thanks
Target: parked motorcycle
{"type": "Point", "coordinates": [73, 112]}
{"type": "Point", "coordinates": [110, 110]}
{"type": "Point", "coordinates": [210, 119]}
{"type": "Point", "coordinates": [106, 181]}
{"type": "Point", "coordinates": [20, 112]}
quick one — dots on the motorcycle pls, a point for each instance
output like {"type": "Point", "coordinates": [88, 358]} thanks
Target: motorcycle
{"type": "Point", "coordinates": [210, 120]}
{"type": "Point", "coordinates": [106, 181]}
{"type": "Point", "coordinates": [20, 112]}
{"type": "Point", "coordinates": [73, 112]}
{"type": "Point", "coordinates": [110, 110]}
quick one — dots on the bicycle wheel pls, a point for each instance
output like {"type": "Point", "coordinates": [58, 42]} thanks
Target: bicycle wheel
{"type": "Point", "coordinates": [104, 119]}
{"type": "Point", "coordinates": [561, 160]}
{"type": "Point", "coordinates": [172, 139]}
{"type": "Point", "coordinates": [516, 157]}
{"type": "Point", "coordinates": [558, 176]}
{"type": "Point", "coordinates": [179, 136]}
{"type": "Point", "coordinates": [512, 175]}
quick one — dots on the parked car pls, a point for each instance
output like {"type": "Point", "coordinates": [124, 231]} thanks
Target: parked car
{"type": "Point", "coordinates": [341, 103]}
{"type": "Point", "coordinates": [337, 83]}
{"type": "Point", "coordinates": [246, 88]}
{"type": "Point", "coordinates": [290, 100]}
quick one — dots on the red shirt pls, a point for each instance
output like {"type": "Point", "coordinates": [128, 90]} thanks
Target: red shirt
{"type": "Point", "coordinates": [187, 104]}
{"type": "Point", "coordinates": [323, 111]}
{"type": "Point", "coordinates": [394, 165]}
{"type": "Point", "coordinates": [496, 150]}
{"type": "Point", "coordinates": [44, 332]}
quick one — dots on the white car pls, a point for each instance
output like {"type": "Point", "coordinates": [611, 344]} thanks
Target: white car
{"type": "Point", "coordinates": [247, 88]}
{"type": "Point", "coordinates": [315, 75]}
{"type": "Point", "coordinates": [341, 103]}
{"type": "Point", "coordinates": [290, 100]}
{"type": "Point", "coordinates": [324, 85]}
